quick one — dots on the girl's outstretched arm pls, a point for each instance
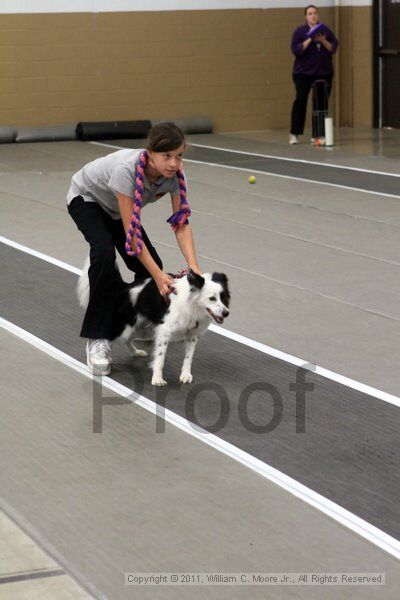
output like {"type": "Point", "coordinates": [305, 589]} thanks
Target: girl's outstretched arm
{"type": "Point", "coordinates": [184, 237]}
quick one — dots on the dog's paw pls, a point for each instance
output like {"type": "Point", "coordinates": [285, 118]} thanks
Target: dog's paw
{"type": "Point", "coordinates": [186, 377]}
{"type": "Point", "coordinates": [158, 381]}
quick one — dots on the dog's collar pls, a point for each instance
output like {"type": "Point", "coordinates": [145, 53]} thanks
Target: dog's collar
{"type": "Point", "coordinates": [181, 274]}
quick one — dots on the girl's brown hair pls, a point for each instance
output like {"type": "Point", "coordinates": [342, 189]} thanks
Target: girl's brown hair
{"type": "Point", "coordinates": [164, 137]}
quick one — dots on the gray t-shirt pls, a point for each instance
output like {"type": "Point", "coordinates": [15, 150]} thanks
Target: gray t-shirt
{"type": "Point", "coordinates": [99, 180]}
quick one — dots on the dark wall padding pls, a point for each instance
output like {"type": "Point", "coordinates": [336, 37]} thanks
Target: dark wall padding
{"type": "Point", "coordinates": [7, 134]}
{"type": "Point", "coordinates": [111, 130]}
{"type": "Point", "coordinates": [101, 130]}
{"type": "Point", "coordinates": [51, 133]}
{"type": "Point", "coordinates": [190, 124]}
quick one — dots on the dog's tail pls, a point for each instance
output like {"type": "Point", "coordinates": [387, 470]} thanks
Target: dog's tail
{"type": "Point", "coordinates": [83, 289]}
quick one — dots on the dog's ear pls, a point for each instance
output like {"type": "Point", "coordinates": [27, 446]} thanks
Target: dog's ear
{"type": "Point", "coordinates": [195, 280]}
{"type": "Point", "coordinates": [222, 279]}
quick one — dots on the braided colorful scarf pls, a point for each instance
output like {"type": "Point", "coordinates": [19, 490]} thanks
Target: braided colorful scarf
{"type": "Point", "coordinates": [176, 220]}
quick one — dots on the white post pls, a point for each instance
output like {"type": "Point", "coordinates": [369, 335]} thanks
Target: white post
{"type": "Point", "coordinates": [328, 131]}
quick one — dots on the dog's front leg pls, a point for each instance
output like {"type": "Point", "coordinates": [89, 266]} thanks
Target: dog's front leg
{"type": "Point", "coordinates": [186, 373]}
{"type": "Point", "coordinates": [160, 350]}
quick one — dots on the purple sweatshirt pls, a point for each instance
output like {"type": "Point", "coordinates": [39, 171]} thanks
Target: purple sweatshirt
{"type": "Point", "coordinates": [316, 59]}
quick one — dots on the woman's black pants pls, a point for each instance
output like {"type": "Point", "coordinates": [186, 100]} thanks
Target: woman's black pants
{"type": "Point", "coordinates": [104, 235]}
{"type": "Point", "coordinates": [303, 85]}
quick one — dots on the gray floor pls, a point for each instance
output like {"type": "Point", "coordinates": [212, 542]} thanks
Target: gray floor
{"type": "Point", "coordinates": [131, 500]}
{"type": "Point", "coordinates": [340, 176]}
{"type": "Point", "coordinates": [314, 272]}
{"type": "Point", "coordinates": [344, 448]}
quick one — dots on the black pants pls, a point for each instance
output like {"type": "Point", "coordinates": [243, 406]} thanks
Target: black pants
{"type": "Point", "coordinates": [303, 85]}
{"type": "Point", "coordinates": [104, 235]}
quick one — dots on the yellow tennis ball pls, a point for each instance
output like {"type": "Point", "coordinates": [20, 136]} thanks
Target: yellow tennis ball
{"type": "Point", "coordinates": [252, 179]}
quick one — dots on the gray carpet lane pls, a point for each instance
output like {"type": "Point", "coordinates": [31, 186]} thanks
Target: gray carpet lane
{"type": "Point", "coordinates": [373, 182]}
{"type": "Point", "coordinates": [343, 445]}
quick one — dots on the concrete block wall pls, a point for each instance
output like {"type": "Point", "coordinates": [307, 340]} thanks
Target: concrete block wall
{"type": "Point", "coordinates": [355, 70]}
{"type": "Point", "coordinates": [231, 65]}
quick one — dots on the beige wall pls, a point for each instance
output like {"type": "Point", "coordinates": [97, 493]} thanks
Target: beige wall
{"type": "Point", "coordinates": [231, 65]}
{"type": "Point", "coordinates": [355, 67]}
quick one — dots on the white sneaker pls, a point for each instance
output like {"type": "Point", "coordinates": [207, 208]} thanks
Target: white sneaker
{"type": "Point", "coordinates": [98, 356]}
{"type": "Point", "coordinates": [293, 139]}
{"type": "Point", "coordinates": [312, 140]}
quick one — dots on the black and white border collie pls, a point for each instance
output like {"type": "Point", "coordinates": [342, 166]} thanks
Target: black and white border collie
{"type": "Point", "coordinates": [142, 313]}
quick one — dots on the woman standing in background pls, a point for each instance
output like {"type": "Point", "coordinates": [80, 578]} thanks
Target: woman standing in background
{"type": "Point", "coordinates": [313, 48]}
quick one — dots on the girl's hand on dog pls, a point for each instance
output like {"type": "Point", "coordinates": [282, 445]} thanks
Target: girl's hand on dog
{"type": "Point", "coordinates": [165, 283]}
